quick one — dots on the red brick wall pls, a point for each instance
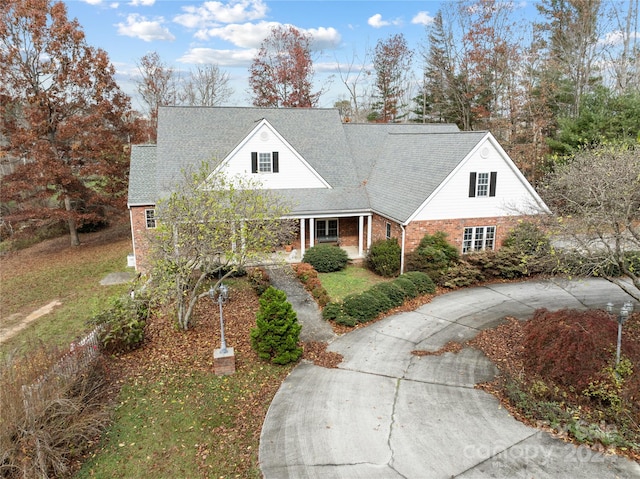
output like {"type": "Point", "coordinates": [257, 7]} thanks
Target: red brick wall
{"type": "Point", "coordinates": [455, 229]}
{"type": "Point", "coordinates": [140, 236]}
{"type": "Point", "coordinates": [379, 229]}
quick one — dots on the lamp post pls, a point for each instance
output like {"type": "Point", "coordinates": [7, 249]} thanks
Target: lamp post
{"type": "Point", "coordinates": [625, 312]}
{"type": "Point", "coordinates": [222, 295]}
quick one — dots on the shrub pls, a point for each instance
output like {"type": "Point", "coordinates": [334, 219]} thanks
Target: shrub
{"type": "Point", "coordinates": [461, 275]}
{"type": "Point", "coordinates": [123, 323]}
{"type": "Point", "coordinates": [568, 347]}
{"type": "Point", "coordinates": [434, 255]}
{"type": "Point", "coordinates": [335, 312]}
{"type": "Point", "coordinates": [383, 258]}
{"type": "Point", "coordinates": [259, 280]}
{"type": "Point", "coordinates": [390, 290]}
{"type": "Point", "coordinates": [305, 271]}
{"type": "Point", "coordinates": [277, 331]}
{"type": "Point", "coordinates": [407, 286]}
{"type": "Point", "coordinates": [365, 306]}
{"type": "Point", "coordinates": [326, 258]}
{"type": "Point", "coordinates": [44, 432]}
{"type": "Point", "coordinates": [423, 282]}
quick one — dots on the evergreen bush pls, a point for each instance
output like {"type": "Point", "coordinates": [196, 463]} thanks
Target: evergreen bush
{"type": "Point", "coordinates": [423, 282]}
{"type": "Point", "coordinates": [407, 286]}
{"type": "Point", "coordinates": [434, 255]}
{"type": "Point", "coordinates": [277, 333]}
{"type": "Point", "coordinates": [365, 306]}
{"type": "Point", "coordinates": [383, 258]}
{"type": "Point", "coordinates": [326, 258]}
{"type": "Point", "coordinates": [390, 290]}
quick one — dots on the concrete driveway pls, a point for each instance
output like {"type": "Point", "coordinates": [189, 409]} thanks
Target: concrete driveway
{"type": "Point", "coordinates": [385, 413]}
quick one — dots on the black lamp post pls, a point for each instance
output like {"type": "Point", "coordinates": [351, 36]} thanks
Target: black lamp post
{"type": "Point", "coordinates": [625, 312]}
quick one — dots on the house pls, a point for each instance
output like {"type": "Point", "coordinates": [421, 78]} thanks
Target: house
{"type": "Point", "coordinates": [350, 184]}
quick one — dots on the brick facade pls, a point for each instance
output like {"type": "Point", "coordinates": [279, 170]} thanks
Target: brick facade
{"type": "Point", "coordinates": [454, 229]}
{"type": "Point", "coordinates": [140, 234]}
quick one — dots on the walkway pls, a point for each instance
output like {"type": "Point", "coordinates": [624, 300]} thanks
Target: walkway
{"type": "Point", "coordinates": [385, 413]}
{"type": "Point", "coordinates": [314, 328]}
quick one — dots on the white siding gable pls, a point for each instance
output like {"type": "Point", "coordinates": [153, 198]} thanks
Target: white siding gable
{"type": "Point", "coordinates": [293, 170]}
{"type": "Point", "coordinates": [513, 195]}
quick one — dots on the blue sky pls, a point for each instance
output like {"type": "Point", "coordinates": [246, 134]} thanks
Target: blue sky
{"type": "Point", "coordinates": [228, 32]}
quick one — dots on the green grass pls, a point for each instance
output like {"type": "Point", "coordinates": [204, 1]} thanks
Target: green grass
{"type": "Point", "coordinates": [176, 423]}
{"type": "Point", "coordinates": [352, 279]}
{"type": "Point", "coordinates": [75, 282]}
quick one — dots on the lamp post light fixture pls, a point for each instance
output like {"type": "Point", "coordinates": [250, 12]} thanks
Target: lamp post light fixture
{"type": "Point", "coordinates": [222, 293]}
{"type": "Point", "coordinates": [625, 312]}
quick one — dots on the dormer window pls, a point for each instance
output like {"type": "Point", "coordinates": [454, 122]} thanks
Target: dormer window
{"type": "Point", "coordinates": [264, 162]}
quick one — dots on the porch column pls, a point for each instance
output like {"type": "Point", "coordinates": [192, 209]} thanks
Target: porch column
{"type": "Point", "coordinates": [369, 230]}
{"type": "Point", "coordinates": [360, 234]}
{"type": "Point", "coordinates": [302, 237]}
{"type": "Point", "coordinates": [311, 233]}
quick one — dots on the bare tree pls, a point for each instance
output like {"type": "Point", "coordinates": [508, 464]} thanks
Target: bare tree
{"type": "Point", "coordinates": [355, 77]}
{"type": "Point", "coordinates": [157, 86]}
{"type": "Point", "coordinates": [595, 200]}
{"type": "Point", "coordinates": [207, 85]}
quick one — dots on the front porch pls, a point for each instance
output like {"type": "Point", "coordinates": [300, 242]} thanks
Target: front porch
{"type": "Point", "coordinates": [296, 255]}
{"type": "Point", "coordinates": [352, 233]}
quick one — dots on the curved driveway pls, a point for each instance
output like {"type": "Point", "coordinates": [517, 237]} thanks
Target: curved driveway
{"type": "Point", "coordinates": [385, 413]}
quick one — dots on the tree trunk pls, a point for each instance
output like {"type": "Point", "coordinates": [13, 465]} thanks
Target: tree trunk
{"type": "Point", "coordinates": [72, 224]}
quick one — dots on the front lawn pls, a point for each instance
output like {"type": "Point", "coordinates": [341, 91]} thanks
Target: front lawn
{"type": "Point", "coordinates": [352, 279]}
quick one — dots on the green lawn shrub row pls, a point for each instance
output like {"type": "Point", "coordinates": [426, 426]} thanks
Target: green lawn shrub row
{"type": "Point", "coordinates": [366, 306]}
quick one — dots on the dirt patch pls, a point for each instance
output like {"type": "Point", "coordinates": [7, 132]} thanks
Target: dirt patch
{"type": "Point", "coordinates": [8, 333]}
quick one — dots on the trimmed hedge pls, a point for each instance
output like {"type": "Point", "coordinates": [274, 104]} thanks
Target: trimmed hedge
{"type": "Point", "coordinates": [326, 258]}
{"type": "Point", "coordinates": [422, 281]}
{"type": "Point", "coordinates": [407, 286]}
{"type": "Point", "coordinates": [392, 291]}
{"type": "Point", "coordinates": [365, 306]}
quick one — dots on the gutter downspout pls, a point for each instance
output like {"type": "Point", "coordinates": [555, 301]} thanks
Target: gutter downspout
{"type": "Point", "coordinates": [404, 234]}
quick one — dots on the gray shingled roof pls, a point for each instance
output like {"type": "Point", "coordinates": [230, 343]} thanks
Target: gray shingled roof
{"type": "Point", "coordinates": [189, 135]}
{"type": "Point", "coordinates": [388, 168]}
{"type": "Point", "coordinates": [142, 176]}
{"type": "Point", "coordinates": [410, 167]}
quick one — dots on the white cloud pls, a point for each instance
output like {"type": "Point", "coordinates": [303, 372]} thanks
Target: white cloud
{"type": "Point", "coordinates": [214, 13]}
{"type": "Point", "coordinates": [93, 2]}
{"type": "Point", "coordinates": [376, 21]}
{"type": "Point", "coordinates": [422, 18]}
{"type": "Point", "coordinates": [144, 3]}
{"type": "Point", "coordinates": [138, 26]}
{"type": "Point", "coordinates": [225, 58]}
{"type": "Point", "coordinates": [251, 35]}
{"type": "Point", "coordinates": [324, 38]}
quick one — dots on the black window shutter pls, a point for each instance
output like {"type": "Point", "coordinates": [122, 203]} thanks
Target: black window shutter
{"type": "Point", "coordinates": [472, 185]}
{"type": "Point", "coordinates": [276, 165]}
{"type": "Point", "coordinates": [254, 162]}
{"type": "Point", "coordinates": [492, 183]}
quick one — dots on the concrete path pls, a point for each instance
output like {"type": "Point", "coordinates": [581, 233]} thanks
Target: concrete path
{"type": "Point", "coordinates": [314, 328]}
{"type": "Point", "coordinates": [385, 413]}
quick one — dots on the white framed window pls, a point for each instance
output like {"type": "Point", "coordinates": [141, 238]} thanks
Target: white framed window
{"type": "Point", "coordinates": [150, 218]}
{"type": "Point", "coordinates": [482, 184]}
{"type": "Point", "coordinates": [265, 162]}
{"type": "Point", "coordinates": [478, 238]}
{"type": "Point", "coordinates": [388, 231]}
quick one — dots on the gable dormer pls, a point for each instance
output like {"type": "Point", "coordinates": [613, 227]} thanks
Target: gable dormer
{"type": "Point", "coordinates": [269, 158]}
